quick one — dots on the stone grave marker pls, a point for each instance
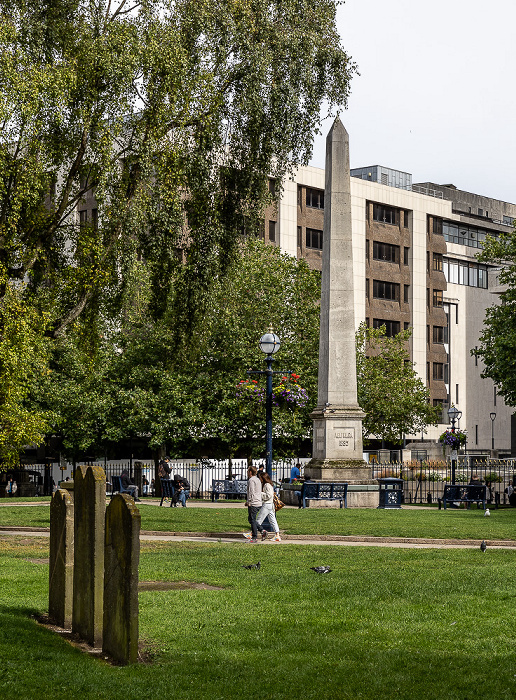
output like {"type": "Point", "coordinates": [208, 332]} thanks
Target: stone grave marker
{"type": "Point", "coordinates": [88, 581]}
{"type": "Point", "coordinates": [121, 559]}
{"type": "Point", "coordinates": [60, 595]}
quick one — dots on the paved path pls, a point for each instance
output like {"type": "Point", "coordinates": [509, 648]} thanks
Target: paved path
{"type": "Point", "coordinates": [332, 540]}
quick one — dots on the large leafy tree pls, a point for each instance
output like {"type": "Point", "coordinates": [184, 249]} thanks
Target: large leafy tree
{"type": "Point", "coordinates": [498, 338]}
{"type": "Point", "coordinates": [164, 116]}
{"type": "Point", "coordinates": [394, 398]}
{"type": "Point", "coordinates": [170, 113]}
{"type": "Point", "coordinates": [139, 385]}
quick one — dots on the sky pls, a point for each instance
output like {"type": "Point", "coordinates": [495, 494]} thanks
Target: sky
{"type": "Point", "coordinates": [436, 94]}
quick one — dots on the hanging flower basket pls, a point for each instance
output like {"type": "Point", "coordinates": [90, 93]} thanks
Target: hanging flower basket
{"type": "Point", "coordinates": [248, 390]}
{"type": "Point", "coordinates": [455, 439]}
{"type": "Point", "coordinates": [288, 394]}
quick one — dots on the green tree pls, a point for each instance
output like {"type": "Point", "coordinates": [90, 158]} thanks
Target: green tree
{"type": "Point", "coordinates": [498, 338]}
{"type": "Point", "coordinates": [393, 397]}
{"type": "Point", "coordinates": [172, 115]}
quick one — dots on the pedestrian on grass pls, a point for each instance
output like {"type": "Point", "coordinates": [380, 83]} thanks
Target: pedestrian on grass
{"type": "Point", "coordinates": [253, 502]}
{"type": "Point", "coordinates": [267, 510]}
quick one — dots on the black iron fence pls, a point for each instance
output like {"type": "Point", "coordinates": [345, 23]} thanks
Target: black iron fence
{"type": "Point", "coordinates": [424, 480]}
{"type": "Point", "coordinates": [41, 479]}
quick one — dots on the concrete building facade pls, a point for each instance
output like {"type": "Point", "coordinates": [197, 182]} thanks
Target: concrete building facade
{"type": "Point", "coordinates": [414, 249]}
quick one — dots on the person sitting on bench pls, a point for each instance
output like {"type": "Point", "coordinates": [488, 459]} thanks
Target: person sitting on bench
{"type": "Point", "coordinates": [128, 485]}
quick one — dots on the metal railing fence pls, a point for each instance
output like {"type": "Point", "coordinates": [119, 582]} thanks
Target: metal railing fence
{"type": "Point", "coordinates": [424, 480]}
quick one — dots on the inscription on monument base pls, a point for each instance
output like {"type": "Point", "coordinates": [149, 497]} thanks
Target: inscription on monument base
{"type": "Point", "coordinates": [345, 438]}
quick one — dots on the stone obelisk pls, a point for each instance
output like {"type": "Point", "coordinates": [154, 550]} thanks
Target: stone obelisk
{"type": "Point", "coordinates": [337, 419]}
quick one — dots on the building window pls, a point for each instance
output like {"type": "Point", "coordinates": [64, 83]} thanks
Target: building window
{"type": "Point", "coordinates": [406, 256]}
{"type": "Point", "coordinates": [438, 402]}
{"type": "Point", "coordinates": [428, 371]}
{"type": "Point", "coordinates": [406, 325]}
{"type": "Point", "coordinates": [457, 394]}
{"type": "Point", "coordinates": [386, 252]}
{"type": "Point", "coordinates": [272, 231]}
{"type": "Point", "coordinates": [95, 218]}
{"type": "Point", "coordinates": [438, 371]}
{"type": "Point", "coordinates": [480, 212]}
{"type": "Point", "coordinates": [385, 214]}
{"type": "Point", "coordinates": [508, 220]}
{"type": "Point", "coordinates": [437, 226]}
{"type": "Point", "coordinates": [438, 262]}
{"type": "Point", "coordinates": [470, 274]}
{"type": "Point", "coordinates": [437, 298]}
{"type": "Point", "coordinates": [299, 237]}
{"type": "Point", "coordinates": [386, 290]}
{"type": "Point", "coordinates": [314, 238]}
{"type": "Point", "coordinates": [438, 334]}
{"type": "Point", "coordinates": [464, 234]}
{"type": "Point", "coordinates": [392, 328]}
{"type": "Point", "coordinates": [406, 288]}
{"type": "Point", "coordinates": [314, 198]}
{"type": "Point", "coordinates": [299, 196]}
{"type": "Point", "coordinates": [428, 334]}
{"type": "Point", "coordinates": [272, 186]}
{"type": "Point", "coordinates": [476, 434]}
{"type": "Point", "coordinates": [405, 219]}
{"type": "Point", "coordinates": [83, 217]}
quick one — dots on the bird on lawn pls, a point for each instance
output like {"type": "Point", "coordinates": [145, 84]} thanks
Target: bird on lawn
{"type": "Point", "coordinates": [483, 546]}
{"type": "Point", "coordinates": [321, 569]}
{"type": "Point", "coordinates": [487, 513]}
{"type": "Point", "coordinates": [251, 566]}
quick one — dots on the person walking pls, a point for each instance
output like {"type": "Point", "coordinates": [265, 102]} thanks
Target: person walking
{"type": "Point", "coordinates": [267, 510]}
{"type": "Point", "coordinates": [253, 503]}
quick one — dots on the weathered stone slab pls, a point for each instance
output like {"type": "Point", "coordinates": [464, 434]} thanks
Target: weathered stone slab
{"type": "Point", "coordinates": [121, 559]}
{"type": "Point", "coordinates": [88, 582]}
{"type": "Point", "coordinates": [60, 589]}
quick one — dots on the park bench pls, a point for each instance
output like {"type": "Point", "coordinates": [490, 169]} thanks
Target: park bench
{"type": "Point", "coordinates": [464, 493]}
{"type": "Point", "coordinates": [312, 491]}
{"type": "Point", "coordinates": [116, 486]}
{"type": "Point", "coordinates": [228, 488]}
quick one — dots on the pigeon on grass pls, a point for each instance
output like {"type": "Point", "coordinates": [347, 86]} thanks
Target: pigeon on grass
{"type": "Point", "coordinates": [321, 569]}
{"type": "Point", "coordinates": [487, 513]}
{"type": "Point", "coordinates": [251, 566]}
{"type": "Point", "coordinates": [483, 546]}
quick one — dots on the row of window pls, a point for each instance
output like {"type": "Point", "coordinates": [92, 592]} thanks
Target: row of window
{"type": "Point", "coordinates": [390, 215]}
{"type": "Point", "coordinates": [440, 371]}
{"type": "Point", "coordinates": [468, 273]}
{"type": "Point", "coordinates": [439, 334]}
{"type": "Point", "coordinates": [389, 290]}
{"type": "Point", "coordinates": [387, 252]}
{"type": "Point", "coordinates": [313, 198]}
{"type": "Point", "coordinates": [458, 232]}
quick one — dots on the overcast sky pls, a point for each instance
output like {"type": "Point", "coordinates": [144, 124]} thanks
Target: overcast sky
{"type": "Point", "coordinates": [437, 92]}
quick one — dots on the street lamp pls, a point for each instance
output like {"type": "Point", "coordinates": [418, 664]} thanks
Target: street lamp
{"type": "Point", "coordinates": [453, 414]}
{"type": "Point", "coordinates": [269, 344]}
{"type": "Point", "coordinates": [492, 416]}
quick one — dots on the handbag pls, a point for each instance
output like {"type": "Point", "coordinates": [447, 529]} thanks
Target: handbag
{"type": "Point", "coordinates": [278, 505]}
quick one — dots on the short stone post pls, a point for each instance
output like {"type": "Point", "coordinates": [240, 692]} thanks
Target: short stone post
{"type": "Point", "coordinates": [88, 582]}
{"type": "Point", "coordinates": [121, 559]}
{"type": "Point", "coordinates": [60, 590]}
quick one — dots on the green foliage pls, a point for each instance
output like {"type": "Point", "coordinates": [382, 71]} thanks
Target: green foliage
{"type": "Point", "coordinates": [23, 355]}
{"type": "Point", "coordinates": [498, 338]}
{"type": "Point", "coordinates": [168, 118]}
{"type": "Point", "coordinates": [393, 397]}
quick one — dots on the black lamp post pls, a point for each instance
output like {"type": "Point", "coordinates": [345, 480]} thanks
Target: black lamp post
{"type": "Point", "coordinates": [453, 414]}
{"type": "Point", "coordinates": [269, 344]}
{"type": "Point", "coordinates": [492, 416]}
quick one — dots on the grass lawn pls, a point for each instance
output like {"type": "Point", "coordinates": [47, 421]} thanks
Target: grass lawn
{"type": "Point", "coordinates": [384, 623]}
{"type": "Point", "coordinates": [426, 523]}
